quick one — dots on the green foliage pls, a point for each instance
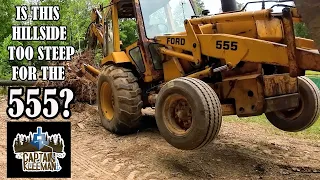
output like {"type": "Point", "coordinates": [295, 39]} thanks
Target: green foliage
{"type": "Point", "coordinates": [5, 64]}
{"type": "Point", "coordinates": [7, 15]}
{"type": "Point", "coordinates": [301, 30]}
{"type": "Point", "coordinates": [75, 14]}
{"type": "Point", "coordinates": [128, 32]}
{"type": "Point", "coordinates": [3, 90]}
{"type": "Point", "coordinates": [311, 133]}
{"type": "Point", "coordinates": [199, 6]}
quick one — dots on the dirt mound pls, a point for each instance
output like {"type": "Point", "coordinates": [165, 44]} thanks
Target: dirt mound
{"type": "Point", "coordinates": [86, 57]}
{"type": "Point", "coordinates": [84, 89]}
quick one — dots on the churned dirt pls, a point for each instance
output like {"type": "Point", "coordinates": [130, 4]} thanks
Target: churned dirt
{"type": "Point", "coordinates": [242, 151]}
{"type": "Point", "coordinates": [83, 88]}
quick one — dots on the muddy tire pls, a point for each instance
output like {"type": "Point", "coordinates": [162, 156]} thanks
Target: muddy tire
{"type": "Point", "coordinates": [119, 100]}
{"type": "Point", "coordinates": [188, 113]}
{"type": "Point", "coordinates": [303, 116]}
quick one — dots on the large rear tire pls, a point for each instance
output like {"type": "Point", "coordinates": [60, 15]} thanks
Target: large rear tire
{"type": "Point", "coordinates": [303, 116]}
{"type": "Point", "coordinates": [119, 100]}
{"type": "Point", "coordinates": [188, 113]}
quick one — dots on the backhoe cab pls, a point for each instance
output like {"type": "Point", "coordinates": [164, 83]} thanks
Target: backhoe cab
{"type": "Point", "coordinates": [153, 18]}
{"type": "Point", "coordinates": [195, 69]}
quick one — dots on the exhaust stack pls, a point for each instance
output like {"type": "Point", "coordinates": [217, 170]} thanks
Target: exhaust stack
{"type": "Point", "coordinates": [228, 5]}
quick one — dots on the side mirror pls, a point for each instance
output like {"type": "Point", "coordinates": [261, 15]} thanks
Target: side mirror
{"type": "Point", "coordinates": [205, 12]}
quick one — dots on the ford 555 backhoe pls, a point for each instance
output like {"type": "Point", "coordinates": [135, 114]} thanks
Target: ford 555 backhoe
{"type": "Point", "coordinates": [194, 69]}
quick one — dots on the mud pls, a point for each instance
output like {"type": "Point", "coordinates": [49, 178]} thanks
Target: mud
{"type": "Point", "coordinates": [84, 89]}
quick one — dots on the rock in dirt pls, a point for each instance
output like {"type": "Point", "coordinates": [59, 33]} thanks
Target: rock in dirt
{"type": "Point", "coordinates": [259, 168]}
{"type": "Point", "coordinates": [81, 126]}
{"type": "Point", "coordinates": [295, 169]}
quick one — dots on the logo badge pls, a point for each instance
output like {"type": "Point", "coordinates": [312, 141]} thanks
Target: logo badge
{"type": "Point", "coordinates": [39, 151]}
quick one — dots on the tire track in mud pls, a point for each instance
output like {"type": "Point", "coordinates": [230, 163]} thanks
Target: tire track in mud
{"type": "Point", "coordinates": [116, 163]}
{"type": "Point", "coordinates": [111, 155]}
{"type": "Point", "coordinates": [91, 168]}
{"type": "Point", "coordinates": [129, 157]}
{"type": "Point", "coordinates": [242, 151]}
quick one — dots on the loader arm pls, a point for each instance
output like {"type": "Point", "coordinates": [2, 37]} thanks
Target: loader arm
{"type": "Point", "coordinates": [95, 29]}
{"type": "Point", "coordinates": [242, 49]}
{"type": "Point", "coordinates": [292, 52]}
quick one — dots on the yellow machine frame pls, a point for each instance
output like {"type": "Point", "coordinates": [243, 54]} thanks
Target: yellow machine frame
{"type": "Point", "coordinates": [255, 38]}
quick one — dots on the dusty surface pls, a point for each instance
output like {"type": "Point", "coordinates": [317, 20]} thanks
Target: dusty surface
{"type": "Point", "coordinates": [242, 151]}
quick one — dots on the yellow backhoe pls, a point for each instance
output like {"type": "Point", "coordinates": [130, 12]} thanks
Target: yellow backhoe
{"type": "Point", "coordinates": [194, 69]}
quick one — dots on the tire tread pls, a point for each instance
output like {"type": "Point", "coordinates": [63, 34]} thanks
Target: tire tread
{"type": "Point", "coordinates": [129, 96]}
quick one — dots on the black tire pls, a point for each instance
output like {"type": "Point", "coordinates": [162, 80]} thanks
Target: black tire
{"type": "Point", "coordinates": [206, 113]}
{"type": "Point", "coordinates": [126, 103]}
{"type": "Point", "coordinates": [303, 116]}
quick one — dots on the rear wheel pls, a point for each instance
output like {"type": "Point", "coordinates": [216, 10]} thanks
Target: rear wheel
{"type": "Point", "coordinates": [119, 100]}
{"type": "Point", "coordinates": [188, 113]}
{"type": "Point", "coordinates": [305, 115]}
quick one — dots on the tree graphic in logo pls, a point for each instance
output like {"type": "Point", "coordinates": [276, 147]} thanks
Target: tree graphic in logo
{"type": "Point", "coordinates": [39, 151]}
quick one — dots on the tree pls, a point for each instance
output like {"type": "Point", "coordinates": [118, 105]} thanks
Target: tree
{"type": "Point", "coordinates": [199, 6]}
{"type": "Point", "coordinates": [301, 30]}
{"type": "Point", "coordinates": [6, 21]}
{"type": "Point", "coordinates": [5, 64]}
{"type": "Point", "coordinates": [75, 14]}
{"type": "Point", "coordinates": [128, 31]}
{"type": "Point", "coordinates": [7, 15]}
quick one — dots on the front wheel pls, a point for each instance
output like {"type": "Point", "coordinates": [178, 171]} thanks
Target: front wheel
{"type": "Point", "coordinates": [119, 100]}
{"type": "Point", "coordinates": [305, 115]}
{"type": "Point", "coordinates": [188, 113]}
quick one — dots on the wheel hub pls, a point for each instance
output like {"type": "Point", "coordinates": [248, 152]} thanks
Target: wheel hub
{"type": "Point", "coordinates": [107, 101]}
{"type": "Point", "coordinates": [292, 114]}
{"type": "Point", "coordinates": [177, 114]}
{"type": "Point", "coordinates": [183, 114]}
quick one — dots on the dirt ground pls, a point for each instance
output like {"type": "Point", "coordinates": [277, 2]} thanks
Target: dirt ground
{"type": "Point", "coordinates": [242, 151]}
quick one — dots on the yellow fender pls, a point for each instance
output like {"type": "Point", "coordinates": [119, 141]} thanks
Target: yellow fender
{"type": "Point", "coordinates": [116, 57]}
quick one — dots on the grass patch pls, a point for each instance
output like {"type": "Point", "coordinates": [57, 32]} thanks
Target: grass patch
{"type": "Point", "coordinates": [312, 132]}
{"type": "Point", "coordinates": [3, 91]}
{"type": "Point", "coordinates": [312, 73]}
